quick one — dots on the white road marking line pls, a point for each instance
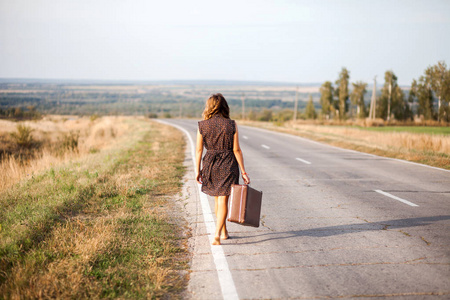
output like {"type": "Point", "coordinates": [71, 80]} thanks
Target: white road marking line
{"type": "Point", "coordinates": [303, 161]}
{"type": "Point", "coordinates": [225, 279]}
{"type": "Point", "coordinates": [395, 197]}
{"type": "Point", "coordinates": [265, 146]}
{"type": "Point", "coordinates": [245, 137]}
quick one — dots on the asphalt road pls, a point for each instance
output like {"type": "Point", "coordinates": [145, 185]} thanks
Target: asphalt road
{"type": "Point", "coordinates": [335, 224]}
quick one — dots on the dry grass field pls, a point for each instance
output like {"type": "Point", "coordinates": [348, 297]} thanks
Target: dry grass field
{"type": "Point", "coordinates": [52, 137]}
{"type": "Point", "coordinates": [95, 223]}
{"type": "Point", "coordinates": [423, 147]}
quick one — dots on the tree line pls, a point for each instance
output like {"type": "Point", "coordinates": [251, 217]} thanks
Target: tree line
{"type": "Point", "coordinates": [428, 98]}
{"type": "Point", "coordinates": [19, 113]}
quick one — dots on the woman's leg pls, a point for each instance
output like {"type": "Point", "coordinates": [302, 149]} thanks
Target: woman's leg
{"type": "Point", "coordinates": [221, 215]}
{"type": "Point", "coordinates": [216, 201]}
{"type": "Point", "coordinates": [224, 232]}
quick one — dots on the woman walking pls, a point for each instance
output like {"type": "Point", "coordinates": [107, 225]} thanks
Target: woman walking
{"type": "Point", "coordinates": [223, 158]}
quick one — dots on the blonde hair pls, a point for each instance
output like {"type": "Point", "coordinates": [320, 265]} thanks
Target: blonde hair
{"type": "Point", "coordinates": [216, 104]}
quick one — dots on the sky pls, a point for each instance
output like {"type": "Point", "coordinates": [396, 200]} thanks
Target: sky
{"type": "Point", "coordinates": [277, 40]}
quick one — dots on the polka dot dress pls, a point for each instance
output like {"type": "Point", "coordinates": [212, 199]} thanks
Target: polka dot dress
{"type": "Point", "coordinates": [219, 168]}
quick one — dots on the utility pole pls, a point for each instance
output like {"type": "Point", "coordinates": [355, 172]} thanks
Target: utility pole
{"type": "Point", "coordinates": [243, 106]}
{"type": "Point", "coordinates": [181, 109]}
{"type": "Point", "coordinates": [389, 101]}
{"type": "Point", "coordinates": [295, 104]}
{"type": "Point", "coordinates": [373, 101]}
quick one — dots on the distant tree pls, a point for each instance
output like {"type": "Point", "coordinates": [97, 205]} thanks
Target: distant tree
{"type": "Point", "coordinates": [326, 98]}
{"type": "Point", "coordinates": [310, 110]}
{"type": "Point", "coordinates": [342, 92]}
{"type": "Point", "coordinates": [251, 115]}
{"type": "Point", "coordinates": [439, 80]}
{"type": "Point", "coordinates": [18, 112]}
{"type": "Point", "coordinates": [357, 98]}
{"type": "Point", "coordinates": [152, 115]}
{"type": "Point", "coordinates": [412, 97]}
{"type": "Point", "coordinates": [398, 106]}
{"type": "Point", "coordinates": [283, 116]}
{"type": "Point", "coordinates": [424, 95]}
{"type": "Point", "coordinates": [265, 115]}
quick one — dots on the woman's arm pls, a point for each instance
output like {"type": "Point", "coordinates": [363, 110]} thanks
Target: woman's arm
{"type": "Point", "coordinates": [239, 157]}
{"type": "Point", "coordinates": [198, 156]}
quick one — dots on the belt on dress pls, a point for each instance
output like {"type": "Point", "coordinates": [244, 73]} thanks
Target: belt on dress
{"type": "Point", "coordinates": [215, 153]}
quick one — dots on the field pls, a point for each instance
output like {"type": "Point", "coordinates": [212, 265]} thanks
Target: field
{"type": "Point", "coordinates": [54, 139]}
{"type": "Point", "coordinates": [426, 145]}
{"type": "Point", "coordinates": [99, 222]}
{"type": "Point", "coordinates": [167, 99]}
{"type": "Point", "coordinates": [412, 129]}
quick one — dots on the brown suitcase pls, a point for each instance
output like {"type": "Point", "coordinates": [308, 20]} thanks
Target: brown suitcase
{"type": "Point", "coordinates": [244, 205]}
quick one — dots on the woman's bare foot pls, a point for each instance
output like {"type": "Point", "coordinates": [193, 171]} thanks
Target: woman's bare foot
{"type": "Point", "coordinates": [216, 241]}
{"type": "Point", "coordinates": [224, 236]}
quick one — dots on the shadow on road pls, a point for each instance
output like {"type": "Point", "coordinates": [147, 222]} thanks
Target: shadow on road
{"type": "Point", "coordinates": [343, 229]}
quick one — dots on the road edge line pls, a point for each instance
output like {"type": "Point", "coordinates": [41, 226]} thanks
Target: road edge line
{"type": "Point", "coordinates": [226, 282]}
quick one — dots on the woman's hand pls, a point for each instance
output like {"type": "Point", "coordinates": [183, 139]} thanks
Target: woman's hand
{"type": "Point", "coordinates": [199, 178]}
{"type": "Point", "coordinates": [246, 178]}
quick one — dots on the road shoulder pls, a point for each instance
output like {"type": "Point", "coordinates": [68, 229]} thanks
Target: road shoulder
{"type": "Point", "coordinates": [203, 279]}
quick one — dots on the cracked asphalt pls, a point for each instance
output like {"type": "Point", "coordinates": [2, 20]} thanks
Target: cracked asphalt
{"type": "Point", "coordinates": [325, 232]}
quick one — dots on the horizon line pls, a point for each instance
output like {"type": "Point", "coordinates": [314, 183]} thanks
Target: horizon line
{"type": "Point", "coordinates": [166, 81]}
